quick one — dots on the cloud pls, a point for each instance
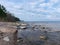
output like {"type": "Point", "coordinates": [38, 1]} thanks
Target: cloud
{"type": "Point", "coordinates": [34, 9]}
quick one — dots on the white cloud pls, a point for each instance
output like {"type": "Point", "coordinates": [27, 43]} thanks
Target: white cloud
{"type": "Point", "coordinates": [57, 10]}
{"type": "Point", "coordinates": [49, 5]}
{"type": "Point", "coordinates": [41, 1]}
{"type": "Point", "coordinates": [38, 8]}
{"type": "Point", "coordinates": [54, 1]}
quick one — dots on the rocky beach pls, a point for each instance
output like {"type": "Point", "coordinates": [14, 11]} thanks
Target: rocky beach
{"type": "Point", "coordinates": [34, 33]}
{"type": "Point", "coordinates": [39, 34]}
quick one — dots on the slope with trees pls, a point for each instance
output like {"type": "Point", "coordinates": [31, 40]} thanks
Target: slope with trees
{"type": "Point", "coordinates": [6, 16]}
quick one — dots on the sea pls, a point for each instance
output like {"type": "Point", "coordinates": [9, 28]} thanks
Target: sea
{"type": "Point", "coordinates": [42, 21]}
{"type": "Point", "coordinates": [34, 36]}
{"type": "Point", "coordinates": [55, 25]}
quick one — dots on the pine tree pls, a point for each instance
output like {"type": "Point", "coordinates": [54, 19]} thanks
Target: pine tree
{"type": "Point", "coordinates": [7, 16]}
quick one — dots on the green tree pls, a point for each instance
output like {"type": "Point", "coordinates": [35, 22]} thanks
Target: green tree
{"type": "Point", "coordinates": [2, 12]}
{"type": "Point", "coordinates": [7, 16]}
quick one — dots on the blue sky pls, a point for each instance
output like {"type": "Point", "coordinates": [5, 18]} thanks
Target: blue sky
{"type": "Point", "coordinates": [34, 10]}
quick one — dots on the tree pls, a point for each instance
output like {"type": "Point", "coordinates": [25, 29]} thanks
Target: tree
{"type": "Point", "coordinates": [2, 12]}
{"type": "Point", "coordinates": [7, 16]}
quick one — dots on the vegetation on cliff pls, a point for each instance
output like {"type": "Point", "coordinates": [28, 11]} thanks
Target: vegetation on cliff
{"type": "Point", "coordinates": [6, 16]}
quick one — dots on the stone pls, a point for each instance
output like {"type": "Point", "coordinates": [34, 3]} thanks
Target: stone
{"type": "Point", "coordinates": [23, 24]}
{"type": "Point", "coordinates": [6, 38]}
{"type": "Point", "coordinates": [43, 37]}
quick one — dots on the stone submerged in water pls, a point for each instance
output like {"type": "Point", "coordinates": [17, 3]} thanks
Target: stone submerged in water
{"type": "Point", "coordinates": [43, 37]}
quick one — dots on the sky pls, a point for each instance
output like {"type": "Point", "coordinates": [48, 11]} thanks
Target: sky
{"type": "Point", "coordinates": [34, 10]}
